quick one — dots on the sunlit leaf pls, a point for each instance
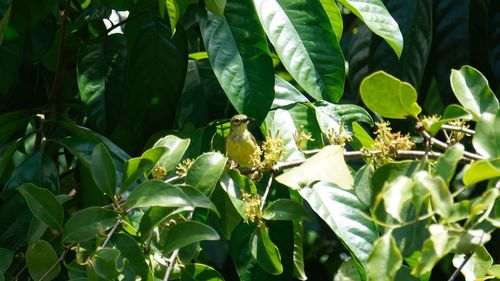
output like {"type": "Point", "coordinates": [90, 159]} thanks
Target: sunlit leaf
{"type": "Point", "coordinates": [482, 170]}
{"type": "Point", "coordinates": [486, 141]}
{"type": "Point", "coordinates": [206, 171]}
{"type": "Point", "coordinates": [478, 265]}
{"type": "Point", "coordinates": [384, 260]}
{"type": "Point", "coordinates": [388, 96]}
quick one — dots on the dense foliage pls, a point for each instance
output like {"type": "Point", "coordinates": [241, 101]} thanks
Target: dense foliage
{"type": "Point", "coordinates": [378, 122]}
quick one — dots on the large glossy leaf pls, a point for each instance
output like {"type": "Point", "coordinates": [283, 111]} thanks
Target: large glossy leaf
{"type": "Point", "coordinates": [415, 21]}
{"type": "Point", "coordinates": [206, 171]}
{"type": "Point", "coordinates": [284, 209]}
{"type": "Point", "coordinates": [103, 170]}
{"type": "Point", "coordinates": [472, 91]}
{"type": "Point", "coordinates": [327, 165]}
{"type": "Point", "coordinates": [384, 260]}
{"type": "Point", "coordinates": [335, 16]}
{"type": "Point", "coordinates": [447, 163]}
{"type": "Point", "coordinates": [374, 14]}
{"type": "Point", "coordinates": [306, 46]}
{"type": "Point", "coordinates": [399, 98]}
{"type": "Point", "coordinates": [237, 49]}
{"type": "Point", "coordinates": [100, 74]}
{"type": "Point", "coordinates": [451, 48]}
{"type": "Point", "coordinates": [345, 215]}
{"type": "Point", "coordinates": [486, 141]}
{"type": "Point", "coordinates": [185, 233]}
{"type": "Point", "coordinates": [43, 204]}
{"type": "Point", "coordinates": [285, 93]}
{"type": "Point", "coordinates": [40, 257]}
{"type": "Point", "coordinates": [156, 72]}
{"type": "Point", "coordinates": [265, 252]}
{"type": "Point", "coordinates": [157, 193]}
{"type": "Point", "coordinates": [38, 169]}
{"type": "Point", "coordinates": [87, 224]}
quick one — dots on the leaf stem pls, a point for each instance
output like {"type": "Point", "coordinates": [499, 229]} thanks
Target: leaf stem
{"type": "Point", "coordinates": [457, 271]}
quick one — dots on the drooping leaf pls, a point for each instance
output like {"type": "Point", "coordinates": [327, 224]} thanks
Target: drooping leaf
{"type": "Point", "coordinates": [472, 90]}
{"type": "Point", "coordinates": [206, 171]}
{"type": "Point", "coordinates": [399, 98]}
{"type": "Point", "coordinates": [43, 204]}
{"type": "Point", "coordinates": [327, 165]}
{"type": "Point", "coordinates": [238, 52]}
{"type": "Point", "coordinates": [384, 260]}
{"type": "Point", "coordinates": [440, 194]}
{"type": "Point", "coordinates": [135, 168]}
{"type": "Point", "coordinates": [87, 224]}
{"type": "Point", "coordinates": [103, 170]}
{"type": "Point", "coordinates": [374, 14]}
{"type": "Point", "coordinates": [40, 258]}
{"type": "Point", "coordinates": [447, 163]}
{"type": "Point", "coordinates": [486, 141]}
{"type": "Point", "coordinates": [265, 252]}
{"type": "Point", "coordinates": [157, 193]}
{"type": "Point", "coordinates": [307, 48]}
{"type": "Point", "coordinates": [345, 215]}
{"type": "Point", "coordinates": [188, 232]}
{"type": "Point", "coordinates": [107, 263]}
{"type": "Point", "coordinates": [285, 93]}
{"type": "Point", "coordinates": [335, 17]}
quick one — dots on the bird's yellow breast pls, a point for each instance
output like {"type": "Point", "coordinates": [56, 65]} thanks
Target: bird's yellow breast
{"type": "Point", "coordinates": [241, 148]}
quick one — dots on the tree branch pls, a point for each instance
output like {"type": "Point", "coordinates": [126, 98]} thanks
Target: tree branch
{"type": "Point", "coordinates": [56, 84]}
{"type": "Point", "coordinates": [458, 129]}
{"type": "Point", "coordinates": [266, 192]}
{"type": "Point", "coordinates": [444, 146]}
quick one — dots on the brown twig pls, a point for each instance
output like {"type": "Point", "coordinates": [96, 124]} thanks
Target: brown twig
{"type": "Point", "coordinates": [442, 145]}
{"type": "Point", "coordinates": [458, 129]}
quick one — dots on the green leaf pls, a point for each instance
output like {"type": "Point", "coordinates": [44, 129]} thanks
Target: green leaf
{"type": "Point", "coordinates": [285, 93]}
{"type": "Point", "coordinates": [305, 45]}
{"type": "Point", "coordinates": [206, 171]}
{"type": "Point", "coordinates": [299, 271]}
{"type": "Point", "coordinates": [332, 116]}
{"type": "Point", "coordinates": [345, 215]}
{"type": "Point", "coordinates": [397, 193]}
{"type": "Point", "coordinates": [440, 194]}
{"type": "Point", "coordinates": [43, 204]}
{"type": "Point", "coordinates": [12, 123]}
{"type": "Point", "coordinates": [361, 137]}
{"type": "Point", "coordinates": [131, 250]}
{"type": "Point", "coordinates": [384, 260]}
{"type": "Point", "coordinates": [135, 168]}
{"type": "Point", "coordinates": [6, 257]}
{"type": "Point", "coordinates": [362, 184]}
{"type": "Point", "coordinates": [486, 141]}
{"type": "Point", "coordinates": [335, 17]}
{"type": "Point", "coordinates": [200, 272]}
{"type": "Point", "coordinates": [239, 55]}
{"type": "Point", "coordinates": [284, 209]}
{"type": "Point", "coordinates": [440, 243]}
{"type": "Point", "coordinates": [472, 90]}
{"type": "Point", "coordinates": [399, 98]}
{"type": "Point", "coordinates": [327, 165]}
{"type": "Point", "coordinates": [188, 232]}
{"type": "Point", "coordinates": [482, 170]}
{"type": "Point", "coordinates": [107, 264]}
{"type": "Point", "coordinates": [233, 183]}
{"type": "Point", "coordinates": [87, 224]}
{"type": "Point", "coordinates": [216, 6]}
{"type": "Point", "coordinates": [265, 252]}
{"type": "Point", "coordinates": [281, 125]}
{"type": "Point", "coordinates": [100, 77]}
{"type": "Point", "coordinates": [198, 199]}
{"type": "Point", "coordinates": [347, 271]}
{"type": "Point", "coordinates": [157, 193]}
{"type": "Point", "coordinates": [103, 170]}
{"type": "Point", "coordinates": [154, 82]}
{"type": "Point", "coordinates": [374, 14]}
{"type": "Point", "coordinates": [452, 112]}
{"type": "Point", "coordinates": [40, 257]}
{"type": "Point", "coordinates": [447, 164]}
{"type": "Point", "coordinates": [477, 266]}
{"type": "Point", "coordinates": [494, 270]}
{"type": "Point", "coordinates": [176, 149]}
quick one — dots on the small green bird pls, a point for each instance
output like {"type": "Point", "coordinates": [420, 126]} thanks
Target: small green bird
{"type": "Point", "coordinates": [241, 146]}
